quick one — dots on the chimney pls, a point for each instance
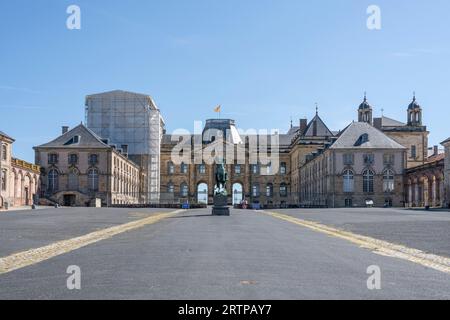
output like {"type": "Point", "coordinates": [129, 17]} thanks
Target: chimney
{"type": "Point", "coordinates": [435, 150]}
{"type": "Point", "coordinates": [65, 129]}
{"type": "Point", "coordinates": [303, 125]}
{"type": "Point", "coordinates": [378, 123]}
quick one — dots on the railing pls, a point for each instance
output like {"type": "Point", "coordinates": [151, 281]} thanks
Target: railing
{"type": "Point", "coordinates": [25, 165]}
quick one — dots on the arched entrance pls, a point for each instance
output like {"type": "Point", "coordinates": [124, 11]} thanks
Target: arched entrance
{"type": "Point", "coordinates": [202, 193]}
{"type": "Point", "coordinates": [238, 194]}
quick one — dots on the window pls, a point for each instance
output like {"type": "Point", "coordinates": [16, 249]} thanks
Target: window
{"type": "Point", "coordinates": [93, 159]}
{"type": "Point", "coordinates": [73, 159]}
{"type": "Point", "coordinates": [283, 168]}
{"type": "Point", "coordinates": [202, 169]}
{"type": "Point", "coordinates": [93, 179]}
{"type": "Point", "coordinates": [72, 180]}
{"type": "Point", "coordinates": [184, 168]}
{"type": "Point", "coordinates": [52, 158]}
{"type": "Point", "coordinates": [369, 159]}
{"type": "Point", "coordinates": [269, 169]}
{"type": "Point", "coordinates": [388, 159]}
{"type": "Point", "coordinates": [3, 178]}
{"type": "Point", "coordinates": [74, 140]}
{"type": "Point", "coordinates": [364, 138]}
{"type": "Point", "coordinates": [413, 152]}
{"type": "Point", "coordinates": [388, 181]}
{"type": "Point", "coordinates": [368, 177]}
{"type": "Point", "coordinates": [269, 190]}
{"type": "Point", "coordinates": [348, 159]}
{"type": "Point", "coordinates": [170, 188]}
{"type": "Point", "coordinates": [237, 169]}
{"type": "Point", "coordinates": [255, 169]}
{"type": "Point", "coordinates": [283, 190]}
{"type": "Point", "coordinates": [4, 152]}
{"type": "Point", "coordinates": [170, 168]}
{"type": "Point", "coordinates": [52, 181]}
{"type": "Point", "coordinates": [255, 190]}
{"type": "Point", "coordinates": [349, 181]}
{"type": "Point", "coordinates": [184, 190]}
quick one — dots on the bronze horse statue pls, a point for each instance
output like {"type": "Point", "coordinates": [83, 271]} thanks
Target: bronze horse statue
{"type": "Point", "coordinates": [221, 179]}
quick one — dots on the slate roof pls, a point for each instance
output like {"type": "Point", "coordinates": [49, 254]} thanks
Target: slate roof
{"type": "Point", "coordinates": [88, 139]}
{"type": "Point", "coordinates": [376, 138]}
{"type": "Point", "coordinates": [321, 128]}
{"type": "Point", "coordinates": [389, 122]}
{"type": "Point", "coordinates": [445, 141]}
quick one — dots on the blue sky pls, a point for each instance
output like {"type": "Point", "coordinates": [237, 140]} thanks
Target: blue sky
{"type": "Point", "coordinates": [264, 61]}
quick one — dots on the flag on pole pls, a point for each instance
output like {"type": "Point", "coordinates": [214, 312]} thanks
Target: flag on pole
{"type": "Point", "coordinates": [217, 109]}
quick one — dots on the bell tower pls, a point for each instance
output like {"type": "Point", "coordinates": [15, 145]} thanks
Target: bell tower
{"type": "Point", "coordinates": [414, 113]}
{"type": "Point", "coordinates": [365, 111]}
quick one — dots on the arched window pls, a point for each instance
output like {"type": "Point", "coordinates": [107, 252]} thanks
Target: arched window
{"type": "Point", "coordinates": [269, 190]}
{"type": "Point", "coordinates": [368, 177]}
{"type": "Point", "coordinates": [72, 180]}
{"type": "Point", "coordinates": [170, 168]}
{"type": "Point", "coordinates": [170, 188]}
{"type": "Point", "coordinates": [184, 190]}
{"type": "Point", "coordinates": [349, 181]}
{"type": "Point", "coordinates": [283, 190]}
{"type": "Point", "coordinates": [388, 180]}
{"type": "Point", "coordinates": [52, 180]}
{"type": "Point", "coordinates": [184, 168]}
{"type": "Point", "coordinates": [93, 179]}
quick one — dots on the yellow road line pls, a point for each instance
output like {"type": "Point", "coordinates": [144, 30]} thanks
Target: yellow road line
{"type": "Point", "coordinates": [33, 256]}
{"type": "Point", "coordinates": [377, 246]}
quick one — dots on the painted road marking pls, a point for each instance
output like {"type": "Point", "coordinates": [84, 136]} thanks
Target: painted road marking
{"type": "Point", "coordinates": [377, 246]}
{"type": "Point", "coordinates": [33, 256]}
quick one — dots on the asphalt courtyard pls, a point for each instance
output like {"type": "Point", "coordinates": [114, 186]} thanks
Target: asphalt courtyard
{"type": "Point", "coordinates": [283, 254]}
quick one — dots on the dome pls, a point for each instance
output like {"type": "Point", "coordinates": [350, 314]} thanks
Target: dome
{"type": "Point", "coordinates": [365, 104]}
{"type": "Point", "coordinates": [413, 104]}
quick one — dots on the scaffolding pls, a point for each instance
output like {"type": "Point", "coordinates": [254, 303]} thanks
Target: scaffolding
{"type": "Point", "coordinates": [131, 123]}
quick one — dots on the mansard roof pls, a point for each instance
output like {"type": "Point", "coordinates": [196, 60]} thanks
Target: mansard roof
{"type": "Point", "coordinates": [361, 135]}
{"type": "Point", "coordinates": [86, 139]}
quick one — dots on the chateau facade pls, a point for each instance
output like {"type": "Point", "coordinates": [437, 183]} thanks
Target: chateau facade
{"type": "Point", "coordinates": [125, 157]}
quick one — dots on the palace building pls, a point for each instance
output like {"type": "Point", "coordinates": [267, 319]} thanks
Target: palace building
{"type": "Point", "coordinates": [19, 180]}
{"type": "Point", "coordinates": [79, 168]}
{"type": "Point", "coordinates": [125, 157]}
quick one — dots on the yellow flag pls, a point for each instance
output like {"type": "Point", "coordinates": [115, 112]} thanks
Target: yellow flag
{"type": "Point", "coordinates": [217, 109]}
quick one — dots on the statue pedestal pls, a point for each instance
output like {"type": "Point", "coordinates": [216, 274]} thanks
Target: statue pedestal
{"type": "Point", "coordinates": [220, 206]}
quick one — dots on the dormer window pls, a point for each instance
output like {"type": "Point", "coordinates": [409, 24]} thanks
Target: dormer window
{"type": "Point", "coordinates": [73, 140]}
{"type": "Point", "coordinates": [364, 138]}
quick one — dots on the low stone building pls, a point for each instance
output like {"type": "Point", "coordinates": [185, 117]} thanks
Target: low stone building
{"type": "Point", "coordinates": [19, 179]}
{"type": "Point", "coordinates": [362, 167]}
{"type": "Point", "coordinates": [425, 183]}
{"type": "Point", "coordinates": [78, 168]}
{"type": "Point", "coordinates": [446, 200]}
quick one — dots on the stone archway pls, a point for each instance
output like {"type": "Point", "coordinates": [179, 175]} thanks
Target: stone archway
{"type": "Point", "coordinates": [202, 193]}
{"type": "Point", "coordinates": [238, 193]}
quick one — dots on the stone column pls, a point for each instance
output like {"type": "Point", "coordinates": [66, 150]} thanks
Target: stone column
{"type": "Point", "coordinates": [410, 195]}
{"type": "Point", "coordinates": [433, 192]}
{"type": "Point", "coordinates": [416, 193]}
